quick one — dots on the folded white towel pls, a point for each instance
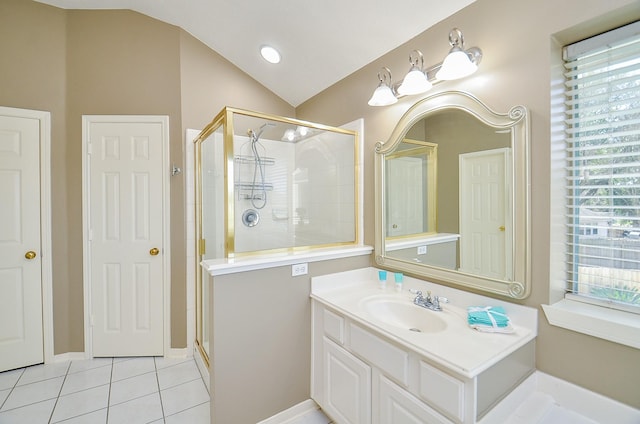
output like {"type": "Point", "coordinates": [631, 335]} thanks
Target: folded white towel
{"type": "Point", "coordinates": [491, 329]}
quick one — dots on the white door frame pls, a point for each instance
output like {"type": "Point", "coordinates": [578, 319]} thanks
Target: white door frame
{"type": "Point", "coordinates": [45, 222]}
{"type": "Point", "coordinates": [87, 120]}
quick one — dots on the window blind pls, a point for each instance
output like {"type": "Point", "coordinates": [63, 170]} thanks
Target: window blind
{"type": "Point", "coordinates": [602, 120]}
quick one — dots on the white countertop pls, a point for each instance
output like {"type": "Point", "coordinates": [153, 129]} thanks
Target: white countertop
{"type": "Point", "coordinates": [422, 240]}
{"type": "Point", "coordinates": [461, 349]}
{"type": "Point", "coordinates": [255, 262]}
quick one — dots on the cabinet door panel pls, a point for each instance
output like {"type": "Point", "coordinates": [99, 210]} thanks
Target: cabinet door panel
{"type": "Point", "coordinates": [398, 406]}
{"type": "Point", "coordinates": [440, 389]}
{"type": "Point", "coordinates": [347, 386]}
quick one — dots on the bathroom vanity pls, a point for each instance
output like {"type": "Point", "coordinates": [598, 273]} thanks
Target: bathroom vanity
{"type": "Point", "coordinates": [378, 358]}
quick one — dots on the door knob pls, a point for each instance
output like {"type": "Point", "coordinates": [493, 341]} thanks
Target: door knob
{"type": "Point", "coordinates": [154, 251]}
{"type": "Point", "coordinates": [501, 228]}
{"type": "Point", "coordinates": [30, 254]}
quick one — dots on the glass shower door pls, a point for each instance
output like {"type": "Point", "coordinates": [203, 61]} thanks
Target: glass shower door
{"type": "Point", "coordinates": [210, 194]}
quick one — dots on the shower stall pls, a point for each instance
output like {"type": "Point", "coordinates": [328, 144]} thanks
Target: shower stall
{"type": "Point", "coordinates": [268, 184]}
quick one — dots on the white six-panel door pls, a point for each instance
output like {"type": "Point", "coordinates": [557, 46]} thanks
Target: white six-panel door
{"type": "Point", "coordinates": [21, 319]}
{"type": "Point", "coordinates": [126, 240]}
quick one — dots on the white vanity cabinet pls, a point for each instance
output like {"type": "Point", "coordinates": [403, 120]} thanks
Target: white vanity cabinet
{"type": "Point", "coordinates": [379, 359]}
{"type": "Point", "coordinates": [362, 376]}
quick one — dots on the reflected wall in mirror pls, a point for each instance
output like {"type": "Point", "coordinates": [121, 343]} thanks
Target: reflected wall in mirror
{"type": "Point", "coordinates": [452, 195]}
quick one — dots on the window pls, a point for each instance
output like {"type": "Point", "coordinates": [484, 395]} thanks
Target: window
{"type": "Point", "coordinates": [602, 122]}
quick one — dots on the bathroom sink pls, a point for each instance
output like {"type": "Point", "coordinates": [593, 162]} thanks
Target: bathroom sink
{"type": "Point", "coordinates": [403, 314]}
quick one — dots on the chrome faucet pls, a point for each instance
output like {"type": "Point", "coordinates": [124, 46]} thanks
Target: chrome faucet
{"type": "Point", "coordinates": [429, 302]}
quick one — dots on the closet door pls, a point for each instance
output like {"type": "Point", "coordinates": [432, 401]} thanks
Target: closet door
{"type": "Point", "coordinates": [127, 243]}
{"type": "Point", "coordinates": [21, 332]}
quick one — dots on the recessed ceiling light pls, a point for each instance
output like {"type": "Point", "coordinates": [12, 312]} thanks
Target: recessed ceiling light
{"type": "Point", "coordinates": [270, 54]}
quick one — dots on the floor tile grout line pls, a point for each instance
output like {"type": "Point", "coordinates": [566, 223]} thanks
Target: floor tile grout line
{"type": "Point", "coordinates": [78, 416]}
{"type": "Point", "coordinates": [12, 389]}
{"type": "Point", "coordinates": [132, 377]}
{"type": "Point", "coordinates": [106, 420]}
{"type": "Point", "coordinates": [134, 398]}
{"type": "Point", "coordinates": [201, 376]}
{"type": "Point", "coordinates": [155, 365]}
{"type": "Point", "coordinates": [53, 410]}
{"type": "Point", "coordinates": [186, 409]}
{"type": "Point", "coordinates": [89, 369]}
{"type": "Point", "coordinates": [183, 383]}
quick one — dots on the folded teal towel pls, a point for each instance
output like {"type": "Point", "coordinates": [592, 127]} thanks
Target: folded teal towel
{"type": "Point", "coordinates": [493, 316]}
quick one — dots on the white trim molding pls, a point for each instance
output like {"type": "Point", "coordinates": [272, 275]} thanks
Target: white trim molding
{"type": "Point", "coordinates": [597, 321]}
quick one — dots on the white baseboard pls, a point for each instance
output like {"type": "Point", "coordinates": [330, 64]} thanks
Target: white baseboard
{"type": "Point", "coordinates": [69, 356]}
{"type": "Point", "coordinates": [78, 356]}
{"type": "Point", "coordinates": [289, 415]}
{"type": "Point", "coordinates": [204, 371]}
{"type": "Point", "coordinates": [178, 353]}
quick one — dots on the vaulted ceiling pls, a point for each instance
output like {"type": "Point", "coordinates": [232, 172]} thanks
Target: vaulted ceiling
{"type": "Point", "coordinates": [321, 41]}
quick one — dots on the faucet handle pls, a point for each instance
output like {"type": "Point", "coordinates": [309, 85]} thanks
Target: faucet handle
{"type": "Point", "coordinates": [418, 299]}
{"type": "Point", "coordinates": [437, 300]}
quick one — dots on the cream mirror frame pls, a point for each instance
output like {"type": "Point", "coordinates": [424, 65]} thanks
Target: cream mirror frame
{"type": "Point", "coordinates": [513, 125]}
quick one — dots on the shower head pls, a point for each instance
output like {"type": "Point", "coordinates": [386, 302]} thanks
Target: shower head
{"type": "Point", "coordinates": [256, 136]}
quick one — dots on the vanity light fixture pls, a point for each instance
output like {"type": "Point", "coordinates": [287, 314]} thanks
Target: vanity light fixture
{"type": "Point", "coordinates": [383, 94]}
{"type": "Point", "coordinates": [415, 82]}
{"type": "Point", "coordinates": [270, 54]}
{"type": "Point", "coordinates": [459, 63]}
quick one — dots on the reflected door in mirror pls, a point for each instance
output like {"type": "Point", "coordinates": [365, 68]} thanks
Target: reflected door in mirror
{"type": "Point", "coordinates": [484, 214]}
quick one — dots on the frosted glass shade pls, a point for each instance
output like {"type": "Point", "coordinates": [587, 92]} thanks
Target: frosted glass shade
{"type": "Point", "coordinates": [415, 82]}
{"type": "Point", "coordinates": [382, 96]}
{"type": "Point", "coordinates": [456, 65]}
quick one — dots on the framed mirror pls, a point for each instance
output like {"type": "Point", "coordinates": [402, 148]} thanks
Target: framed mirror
{"type": "Point", "coordinates": [452, 195]}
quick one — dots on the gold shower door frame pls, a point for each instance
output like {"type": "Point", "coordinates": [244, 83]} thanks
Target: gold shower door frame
{"type": "Point", "coordinates": [225, 119]}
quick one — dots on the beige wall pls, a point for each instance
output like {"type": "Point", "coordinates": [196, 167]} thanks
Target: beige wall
{"type": "Point", "coordinates": [75, 62]}
{"type": "Point", "coordinates": [261, 340]}
{"type": "Point", "coordinates": [516, 38]}
{"type": "Point", "coordinates": [33, 76]}
{"type": "Point", "coordinates": [119, 63]}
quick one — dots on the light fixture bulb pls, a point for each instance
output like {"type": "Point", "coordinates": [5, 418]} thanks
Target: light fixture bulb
{"type": "Point", "coordinates": [289, 135]}
{"type": "Point", "coordinates": [382, 96]}
{"type": "Point", "coordinates": [456, 65]}
{"type": "Point", "coordinates": [303, 131]}
{"type": "Point", "coordinates": [415, 82]}
{"type": "Point", "coordinates": [270, 54]}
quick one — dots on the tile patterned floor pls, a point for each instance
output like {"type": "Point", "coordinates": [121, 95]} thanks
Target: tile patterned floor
{"type": "Point", "coordinates": [105, 391]}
